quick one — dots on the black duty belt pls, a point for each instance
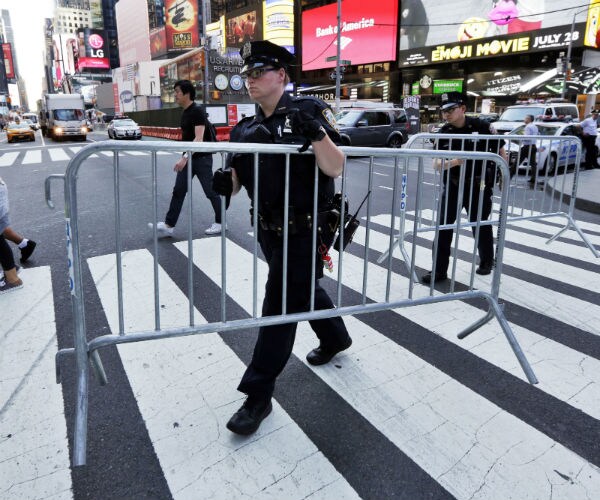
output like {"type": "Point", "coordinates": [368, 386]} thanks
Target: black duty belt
{"type": "Point", "coordinates": [297, 222]}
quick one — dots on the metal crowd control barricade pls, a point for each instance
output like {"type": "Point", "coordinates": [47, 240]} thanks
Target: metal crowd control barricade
{"type": "Point", "coordinates": [400, 290]}
{"type": "Point", "coordinates": [529, 172]}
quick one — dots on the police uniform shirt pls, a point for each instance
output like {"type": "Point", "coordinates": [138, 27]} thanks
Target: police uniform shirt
{"type": "Point", "coordinates": [472, 126]}
{"type": "Point", "coordinates": [275, 129]}
{"type": "Point", "coordinates": [193, 116]}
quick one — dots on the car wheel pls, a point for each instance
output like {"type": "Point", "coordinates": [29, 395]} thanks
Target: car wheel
{"type": "Point", "coordinates": [346, 140]}
{"type": "Point", "coordinates": [395, 141]}
{"type": "Point", "coordinates": [550, 166]}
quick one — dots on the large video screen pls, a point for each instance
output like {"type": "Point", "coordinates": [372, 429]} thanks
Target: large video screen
{"type": "Point", "coordinates": [243, 25]}
{"type": "Point", "coordinates": [474, 28]}
{"type": "Point", "coordinates": [369, 33]}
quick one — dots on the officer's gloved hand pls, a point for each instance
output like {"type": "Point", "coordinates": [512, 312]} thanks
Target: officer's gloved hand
{"type": "Point", "coordinates": [305, 124]}
{"type": "Point", "coordinates": [222, 184]}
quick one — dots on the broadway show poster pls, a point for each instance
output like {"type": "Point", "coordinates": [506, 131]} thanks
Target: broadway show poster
{"type": "Point", "coordinates": [182, 24]}
{"type": "Point", "coordinates": [434, 31]}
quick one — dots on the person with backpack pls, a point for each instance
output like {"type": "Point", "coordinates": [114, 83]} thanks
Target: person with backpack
{"type": "Point", "coordinates": [194, 127]}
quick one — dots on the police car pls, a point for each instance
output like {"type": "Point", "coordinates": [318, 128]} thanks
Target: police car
{"type": "Point", "coordinates": [550, 152]}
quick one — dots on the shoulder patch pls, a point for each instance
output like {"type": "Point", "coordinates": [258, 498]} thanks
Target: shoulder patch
{"type": "Point", "coordinates": [330, 118]}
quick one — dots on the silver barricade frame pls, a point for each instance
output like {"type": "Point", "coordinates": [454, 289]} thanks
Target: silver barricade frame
{"type": "Point", "coordinates": [563, 151]}
{"type": "Point", "coordinates": [87, 351]}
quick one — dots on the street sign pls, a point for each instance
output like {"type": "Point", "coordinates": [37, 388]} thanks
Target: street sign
{"type": "Point", "coordinates": [345, 62]}
{"type": "Point", "coordinates": [331, 58]}
{"type": "Point", "coordinates": [332, 75]}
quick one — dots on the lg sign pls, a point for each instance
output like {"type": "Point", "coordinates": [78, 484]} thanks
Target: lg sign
{"type": "Point", "coordinates": [96, 41]}
{"type": "Point", "coordinates": [364, 27]}
{"type": "Point", "coordinates": [95, 56]}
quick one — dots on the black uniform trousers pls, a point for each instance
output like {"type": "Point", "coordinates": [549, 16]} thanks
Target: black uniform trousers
{"type": "Point", "coordinates": [201, 168]}
{"type": "Point", "coordinates": [591, 155]}
{"type": "Point", "coordinates": [274, 344]}
{"type": "Point", "coordinates": [485, 245]}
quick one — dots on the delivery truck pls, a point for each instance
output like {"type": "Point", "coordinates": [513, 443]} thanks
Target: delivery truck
{"type": "Point", "coordinates": [63, 117]}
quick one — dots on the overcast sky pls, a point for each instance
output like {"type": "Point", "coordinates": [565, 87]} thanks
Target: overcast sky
{"type": "Point", "coordinates": [27, 18]}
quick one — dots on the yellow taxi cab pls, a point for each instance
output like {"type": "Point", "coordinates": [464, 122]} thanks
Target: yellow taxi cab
{"type": "Point", "coordinates": [19, 132]}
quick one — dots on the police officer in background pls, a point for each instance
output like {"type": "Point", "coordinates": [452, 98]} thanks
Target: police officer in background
{"type": "Point", "coordinates": [283, 119]}
{"type": "Point", "coordinates": [453, 107]}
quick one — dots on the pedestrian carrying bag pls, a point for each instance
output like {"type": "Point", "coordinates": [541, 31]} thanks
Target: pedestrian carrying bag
{"type": "Point", "coordinates": [210, 132]}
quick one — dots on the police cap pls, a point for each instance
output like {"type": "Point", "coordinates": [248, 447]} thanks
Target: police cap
{"type": "Point", "coordinates": [452, 99]}
{"type": "Point", "coordinates": [263, 53]}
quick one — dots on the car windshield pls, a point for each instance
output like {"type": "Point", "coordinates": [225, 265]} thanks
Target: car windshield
{"type": "Point", "coordinates": [349, 118]}
{"type": "Point", "coordinates": [68, 114]}
{"type": "Point", "coordinates": [124, 123]}
{"type": "Point", "coordinates": [542, 129]}
{"type": "Point", "coordinates": [519, 114]}
{"type": "Point", "coordinates": [33, 118]}
{"type": "Point", "coordinates": [19, 125]}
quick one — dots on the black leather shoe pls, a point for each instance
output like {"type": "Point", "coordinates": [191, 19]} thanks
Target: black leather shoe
{"type": "Point", "coordinates": [439, 277]}
{"type": "Point", "coordinates": [322, 355]}
{"type": "Point", "coordinates": [247, 419]}
{"type": "Point", "coordinates": [485, 268]}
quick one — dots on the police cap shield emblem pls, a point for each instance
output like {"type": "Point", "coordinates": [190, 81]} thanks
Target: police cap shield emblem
{"type": "Point", "coordinates": [246, 50]}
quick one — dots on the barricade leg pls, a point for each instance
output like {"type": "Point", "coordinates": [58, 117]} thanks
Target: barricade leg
{"type": "Point", "coordinates": [572, 224]}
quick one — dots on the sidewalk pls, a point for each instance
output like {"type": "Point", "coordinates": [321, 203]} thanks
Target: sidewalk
{"type": "Point", "coordinates": [588, 190]}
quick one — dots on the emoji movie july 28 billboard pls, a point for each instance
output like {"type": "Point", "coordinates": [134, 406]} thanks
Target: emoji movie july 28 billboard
{"type": "Point", "coordinates": [431, 32]}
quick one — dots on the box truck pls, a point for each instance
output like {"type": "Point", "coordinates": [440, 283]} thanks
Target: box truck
{"type": "Point", "coordinates": [63, 116]}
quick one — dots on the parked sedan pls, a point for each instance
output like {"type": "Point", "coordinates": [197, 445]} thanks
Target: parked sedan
{"type": "Point", "coordinates": [124, 128]}
{"type": "Point", "coordinates": [550, 152]}
{"type": "Point", "coordinates": [19, 132]}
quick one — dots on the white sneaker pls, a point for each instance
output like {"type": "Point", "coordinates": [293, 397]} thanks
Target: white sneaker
{"type": "Point", "coordinates": [214, 229]}
{"type": "Point", "coordinates": [162, 229]}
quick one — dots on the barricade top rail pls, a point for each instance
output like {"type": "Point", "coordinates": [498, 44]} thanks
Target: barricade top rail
{"type": "Point", "coordinates": [241, 147]}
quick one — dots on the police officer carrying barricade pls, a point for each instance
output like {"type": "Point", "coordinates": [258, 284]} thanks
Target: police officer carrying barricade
{"type": "Point", "coordinates": [476, 183]}
{"type": "Point", "coordinates": [303, 121]}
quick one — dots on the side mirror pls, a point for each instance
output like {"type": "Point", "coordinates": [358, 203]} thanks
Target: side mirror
{"type": "Point", "coordinates": [362, 123]}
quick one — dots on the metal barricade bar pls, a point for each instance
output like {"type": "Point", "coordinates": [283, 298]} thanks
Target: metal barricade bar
{"type": "Point", "coordinates": [399, 292]}
{"type": "Point", "coordinates": [557, 153]}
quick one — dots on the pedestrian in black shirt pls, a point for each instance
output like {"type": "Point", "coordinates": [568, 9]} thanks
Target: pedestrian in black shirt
{"type": "Point", "coordinates": [283, 119]}
{"type": "Point", "coordinates": [453, 107]}
{"type": "Point", "coordinates": [193, 123]}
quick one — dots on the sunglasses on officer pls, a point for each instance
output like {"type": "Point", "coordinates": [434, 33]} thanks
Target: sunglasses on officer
{"type": "Point", "coordinates": [257, 73]}
{"type": "Point", "coordinates": [449, 111]}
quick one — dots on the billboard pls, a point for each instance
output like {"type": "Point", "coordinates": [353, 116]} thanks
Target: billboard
{"type": "Point", "coordinates": [182, 24]}
{"type": "Point", "coordinates": [66, 54]}
{"type": "Point", "coordinates": [158, 43]}
{"type": "Point", "coordinates": [134, 32]}
{"type": "Point", "coordinates": [474, 29]}
{"type": "Point", "coordinates": [93, 49]}
{"type": "Point", "coordinates": [8, 60]}
{"type": "Point", "coordinates": [243, 25]}
{"type": "Point", "coordinates": [365, 27]}
{"type": "Point", "coordinates": [592, 28]}
{"type": "Point", "coordinates": [278, 25]}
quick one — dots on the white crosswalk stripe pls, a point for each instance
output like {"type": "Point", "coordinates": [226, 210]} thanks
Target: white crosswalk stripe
{"type": "Point", "coordinates": [34, 156]}
{"type": "Point", "coordinates": [185, 388]}
{"type": "Point", "coordinates": [33, 447]}
{"type": "Point", "coordinates": [7, 159]}
{"type": "Point", "coordinates": [58, 154]}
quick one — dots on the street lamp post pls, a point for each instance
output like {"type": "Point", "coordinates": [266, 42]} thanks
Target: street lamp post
{"type": "Point", "coordinates": [569, 49]}
{"type": "Point", "coordinates": [339, 55]}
